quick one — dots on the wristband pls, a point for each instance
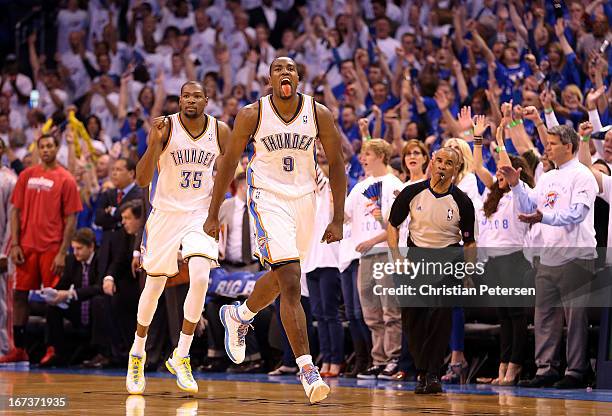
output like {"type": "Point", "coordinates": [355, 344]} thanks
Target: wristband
{"type": "Point", "coordinates": [500, 149]}
{"type": "Point", "coordinates": [466, 133]}
{"type": "Point", "coordinates": [477, 140]}
{"type": "Point", "coordinates": [585, 138]}
{"type": "Point", "coordinates": [548, 110]}
{"type": "Point", "coordinates": [136, 254]}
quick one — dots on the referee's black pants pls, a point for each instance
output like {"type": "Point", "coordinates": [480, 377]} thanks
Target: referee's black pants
{"type": "Point", "coordinates": [428, 331]}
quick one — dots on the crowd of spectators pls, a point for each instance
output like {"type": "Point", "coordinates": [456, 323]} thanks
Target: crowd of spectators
{"type": "Point", "coordinates": [403, 78]}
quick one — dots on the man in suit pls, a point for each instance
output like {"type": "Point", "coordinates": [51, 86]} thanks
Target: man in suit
{"type": "Point", "coordinates": [77, 288]}
{"type": "Point", "coordinates": [237, 240]}
{"type": "Point", "coordinates": [120, 282]}
{"type": "Point", "coordinates": [108, 213]}
{"type": "Point", "coordinates": [276, 20]}
{"type": "Point", "coordinates": [236, 247]}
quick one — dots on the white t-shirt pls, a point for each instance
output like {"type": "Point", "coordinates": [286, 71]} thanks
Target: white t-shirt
{"type": "Point", "coordinates": [181, 23]}
{"type": "Point", "coordinates": [202, 44]}
{"type": "Point", "coordinates": [322, 254]}
{"type": "Point", "coordinates": [173, 83]}
{"type": "Point", "coordinates": [78, 74]}
{"type": "Point", "coordinates": [388, 47]}
{"type": "Point", "coordinates": [358, 208]}
{"type": "Point", "coordinates": [469, 185]}
{"type": "Point", "coordinates": [99, 108]}
{"type": "Point", "coordinates": [68, 22]}
{"type": "Point", "coordinates": [24, 85]}
{"type": "Point", "coordinates": [403, 229]}
{"type": "Point", "coordinates": [501, 233]}
{"type": "Point", "coordinates": [99, 17]}
{"type": "Point", "coordinates": [46, 103]}
{"type": "Point", "coordinates": [556, 190]}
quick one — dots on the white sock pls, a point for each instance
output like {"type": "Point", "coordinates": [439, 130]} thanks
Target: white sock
{"type": "Point", "coordinates": [138, 348]}
{"type": "Point", "coordinates": [245, 313]}
{"type": "Point", "coordinates": [183, 345]}
{"type": "Point", "coordinates": [304, 360]}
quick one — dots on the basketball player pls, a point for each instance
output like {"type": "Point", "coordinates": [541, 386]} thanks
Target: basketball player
{"type": "Point", "coordinates": [282, 128]}
{"type": "Point", "coordinates": [178, 165]}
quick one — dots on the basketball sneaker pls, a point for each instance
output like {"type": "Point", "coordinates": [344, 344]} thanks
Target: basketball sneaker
{"type": "Point", "coordinates": [314, 386]}
{"type": "Point", "coordinates": [181, 368]}
{"type": "Point", "coordinates": [235, 332]}
{"type": "Point", "coordinates": [135, 380]}
{"type": "Point", "coordinates": [16, 356]}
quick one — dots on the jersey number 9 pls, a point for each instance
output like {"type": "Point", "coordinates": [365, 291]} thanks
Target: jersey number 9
{"type": "Point", "coordinates": [191, 179]}
{"type": "Point", "coordinates": [288, 163]}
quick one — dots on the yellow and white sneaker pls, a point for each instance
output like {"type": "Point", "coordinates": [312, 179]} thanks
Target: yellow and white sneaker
{"type": "Point", "coordinates": [314, 386]}
{"type": "Point", "coordinates": [135, 379]}
{"type": "Point", "coordinates": [181, 368]}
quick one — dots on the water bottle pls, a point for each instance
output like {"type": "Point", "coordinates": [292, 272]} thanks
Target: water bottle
{"type": "Point", "coordinates": [34, 99]}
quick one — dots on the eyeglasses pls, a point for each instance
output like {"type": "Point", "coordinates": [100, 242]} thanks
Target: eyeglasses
{"type": "Point", "coordinates": [416, 153]}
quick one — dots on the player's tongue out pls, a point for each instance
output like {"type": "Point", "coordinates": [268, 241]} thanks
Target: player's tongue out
{"type": "Point", "coordinates": [286, 88]}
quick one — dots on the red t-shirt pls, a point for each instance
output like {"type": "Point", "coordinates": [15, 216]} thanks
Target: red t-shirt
{"type": "Point", "coordinates": [44, 198]}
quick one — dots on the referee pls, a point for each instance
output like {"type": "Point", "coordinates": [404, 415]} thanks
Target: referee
{"type": "Point", "coordinates": [441, 215]}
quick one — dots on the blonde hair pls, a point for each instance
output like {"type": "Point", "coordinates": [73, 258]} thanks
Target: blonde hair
{"type": "Point", "coordinates": [467, 159]}
{"type": "Point", "coordinates": [379, 147]}
{"type": "Point", "coordinates": [573, 89]}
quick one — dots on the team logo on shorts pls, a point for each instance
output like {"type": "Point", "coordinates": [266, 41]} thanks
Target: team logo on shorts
{"type": "Point", "coordinates": [262, 241]}
{"type": "Point", "coordinates": [305, 119]}
{"type": "Point", "coordinates": [551, 199]}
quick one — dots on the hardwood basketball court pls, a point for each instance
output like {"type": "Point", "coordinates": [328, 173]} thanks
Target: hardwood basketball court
{"type": "Point", "coordinates": [103, 392]}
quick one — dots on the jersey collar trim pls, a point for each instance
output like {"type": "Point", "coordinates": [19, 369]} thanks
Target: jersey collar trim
{"type": "Point", "coordinates": [297, 112]}
{"type": "Point", "coordinates": [437, 195]}
{"type": "Point", "coordinates": [196, 137]}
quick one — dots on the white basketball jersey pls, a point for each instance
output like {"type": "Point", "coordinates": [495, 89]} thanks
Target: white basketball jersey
{"type": "Point", "coordinates": [183, 177]}
{"type": "Point", "coordinates": [283, 161]}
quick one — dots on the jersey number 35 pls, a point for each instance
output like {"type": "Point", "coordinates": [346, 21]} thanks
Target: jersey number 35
{"type": "Point", "coordinates": [191, 179]}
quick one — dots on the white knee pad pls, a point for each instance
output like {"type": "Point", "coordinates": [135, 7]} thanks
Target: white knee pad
{"type": "Point", "coordinates": [199, 272]}
{"type": "Point", "coordinates": [154, 286]}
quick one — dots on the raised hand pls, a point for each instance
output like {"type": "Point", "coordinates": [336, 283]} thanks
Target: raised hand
{"type": "Point", "coordinates": [560, 28]}
{"type": "Point", "coordinates": [157, 129]}
{"type": "Point", "coordinates": [510, 174]}
{"type": "Point", "coordinates": [465, 118]}
{"type": "Point", "coordinates": [456, 66]}
{"type": "Point", "coordinates": [593, 96]}
{"type": "Point", "coordinates": [546, 97]}
{"type": "Point", "coordinates": [585, 129]}
{"type": "Point", "coordinates": [363, 127]}
{"type": "Point", "coordinates": [480, 124]}
{"type": "Point", "coordinates": [531, 113]}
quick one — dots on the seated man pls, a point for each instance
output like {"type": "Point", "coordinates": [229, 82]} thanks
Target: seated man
{"type": "Point", "coordinates": [78, 286]}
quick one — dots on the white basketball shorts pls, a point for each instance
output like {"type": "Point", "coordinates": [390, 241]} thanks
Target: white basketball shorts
{"type": "Point", "coordinates": [283, 225]}
{"type": "Point", "coordinates": [168, 232]}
